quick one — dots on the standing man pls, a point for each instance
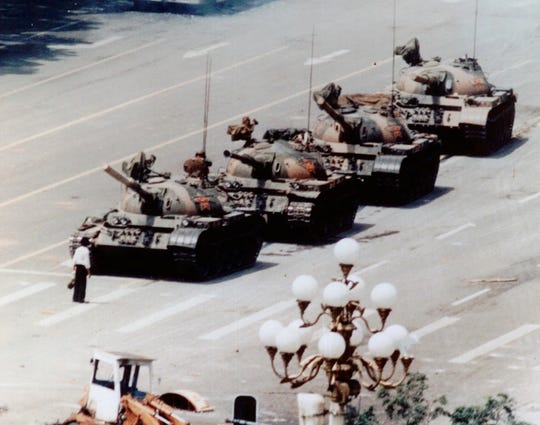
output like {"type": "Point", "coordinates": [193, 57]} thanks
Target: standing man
{"type": "Point", "coordinates": [81, 266]}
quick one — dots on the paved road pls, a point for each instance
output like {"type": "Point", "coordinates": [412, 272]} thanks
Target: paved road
{"type": "Point", "coordinates": [116, 83]}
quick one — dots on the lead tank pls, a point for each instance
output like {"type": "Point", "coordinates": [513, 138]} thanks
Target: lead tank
{"type": "Point", "coordinates": [362, 136]}
{"type": "Point", "coordinates": [168, 222]}
{"type": "Point", "coordinates": [455, 101]}
{"type": "Point", "coordinates": [291, 189]}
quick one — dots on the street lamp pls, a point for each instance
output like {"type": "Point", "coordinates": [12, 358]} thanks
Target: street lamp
{"type": "Point", "coordinates": [343, 308]}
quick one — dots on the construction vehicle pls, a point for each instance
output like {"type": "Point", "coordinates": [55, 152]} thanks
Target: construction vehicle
{"type": "Point", "coordinates": [299, 200]}
{"type": "Point", "coordinates": [165, 223]}
{"type": "Point", "coordinates": [363, 137]}
{"type": "Point", "coordinates": [455, 101]}
{"type": "Point", "coordinates": [120, 393]}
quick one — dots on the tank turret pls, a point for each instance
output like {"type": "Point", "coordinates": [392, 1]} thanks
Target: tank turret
{"type": "Point", "coordinates": [455, 101]}
{"type": "Point", "coordinates": [363, 136]}
{"type": "Point", "coordinates": [352, 120]}
{"type": "Point", "coordinates": [275, 160]}
{"type": "Point", "coordinates": [168, 223]}
{"type": "Point", "coordinates": [291, 189]}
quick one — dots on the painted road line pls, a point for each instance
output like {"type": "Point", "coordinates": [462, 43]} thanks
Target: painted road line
{"type": "Point", "coordinates": [249, 320]}
{"type": "Point", "coordinates": [326, 58]}
{"type": "Point", "coordinates": [470, 297]}
{"type": "Point", "coordinates": [510, 68]}
{"type": "Point", "coordinates": [32, 254]}
{"type": "Point", "coordinates": [435, 326]}
{"type": "Point", "coordinates": [165, 313]}
{"type": "Point", "coordinates": [536, 368]}
{"type": "Point", "coordinates": [97, 44]}
{"type": "Point", "coordinates": [82, 68]}
{"type": "Point", "coordinates": [187, 135]}
{"type": "Point", "coordinates": [34, 272]}
{"type": "Point", "coordinates": [529, 198]}
{"type": "Point", "coordinates": [86, 45]}
{"type": "Point", "coordinates": [456, 230]}
{"type": "Point", "coordinates": [204, 51]}
{"type": "Point", "coordinates": [495, 343]}
{"type": "Point", "coordinates": [83, 308]}
{"type": "Point", "coordinates": [373, 266]}
{"type": "Point", "coordinates": [135, 100]}
{"type": "Point", "coordinates": [26, 292]}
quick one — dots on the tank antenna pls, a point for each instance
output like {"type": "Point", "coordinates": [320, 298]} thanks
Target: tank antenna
{"type": "Point", "coordinates": [206, 100]}
{"type": "Point", "coordinates": [392, 100]}
{"type": "Point", "coordinates": [310, 78]}
{"type": "Point", "coordinates": [475, 25]}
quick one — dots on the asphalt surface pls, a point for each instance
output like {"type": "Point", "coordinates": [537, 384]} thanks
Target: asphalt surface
{"type": "Point", "coordinates": [94, 84]}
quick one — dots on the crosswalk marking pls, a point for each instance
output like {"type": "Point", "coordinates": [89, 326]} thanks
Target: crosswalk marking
{"type": "Point", "coordinates": [435, 326]}
{"type": "Point", "coordinates": [26, 292]}
{"type": "Point", "coordinates": [454, 231]}
{"type": "Point", "coordinates": [495, 343]}
{"type": "Point", "coordinates": [165, 313]}
{"type": "Point", "coordinates": [470, 297]}
{"type": "Point", "coordinates": [83, 308]}
{"type": "Point", "coordinates": [248, 320]}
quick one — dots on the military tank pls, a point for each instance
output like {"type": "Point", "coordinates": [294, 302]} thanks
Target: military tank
{"type": "Point", "coordinates": [361, 136]}
{"type": "Point", "coordinates": [455, 101]}
{"type": "Point", "coordinates": [292, 190]}
{"type": "Point", "coordinates": [170, 223]}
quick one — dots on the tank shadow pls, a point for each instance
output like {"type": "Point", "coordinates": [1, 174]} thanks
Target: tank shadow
{"type": "Point", "coordinates": [437, 192]}
{"type": "Point", "coordinates": [165, 273]}
{"type": "Point", "coordinates": [515, 144]}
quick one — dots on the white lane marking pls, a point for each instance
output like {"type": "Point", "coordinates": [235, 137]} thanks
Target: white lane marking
{"type": "Point", "coordinates": [33, 254]}
{"type": "Point", "coordinates": [373, 266]}
{"type": "Point", "coordinates": [248, 320]}
{"type": "Point", "coordinates": [26, 292]}
{"type": "Point", "coordinates": [495, 343]}
{"type": "Point", "coordinates": [134, 101]}
{"type": "Point", "coordinates": [536, 368]}
{"type": "Point", "coordinates": [326, 58]}
{"type": "Point", "coordinates": [82, 68]}
{"type": "Point", "coordinates": [187, 135]}
{"type": "Point", "coordinates": [435, 326]}
{"type": "Point", "coordinates": [529, 198]}
{"type": "Point", "coordinates": [165, 313]}
{"type": "Point", "coordinates": [38, 34]}
{"type": "Point", "coordinates": [456, 230]}
{"type": "Point", "coordinates": [86, 45]}
{"type": "Point", "coordinates": [470, 297]}
{"type": "Point", "coordinates": [83, 308]}
{"type": "Point", "coordinates": [96, 44]}
{"type": "Point", "coordinates": [510, 68]}
{"type": "Point", "coordinates": [204, 51]}
{"type": "Point", "coordinates": [34, 272]}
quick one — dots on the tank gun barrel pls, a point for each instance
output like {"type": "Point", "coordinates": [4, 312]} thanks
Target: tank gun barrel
{"type": "Point", "coordinates": [325, 106]}
{"type": "Point", "coordinates": [128, 182]}
{"type": "Point", "coordinates": [244, 159]}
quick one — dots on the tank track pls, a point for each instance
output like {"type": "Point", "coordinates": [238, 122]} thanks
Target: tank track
{"type": "Point", "coordinates": [398, 180]}
{"type": "Point", "coordinates": [219, 250]}
{"type": "Point", "coordinates": [214, 251]}
{"type": "Point", "coordinates": [497, 132]}
{"type": "Point", "coordinates": [328, 216]}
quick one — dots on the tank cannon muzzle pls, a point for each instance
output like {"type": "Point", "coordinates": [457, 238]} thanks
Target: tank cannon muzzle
{"type": "Point", "coordinates": [245, 159]}
{"type": "Point", "coordinates": [129, 182]}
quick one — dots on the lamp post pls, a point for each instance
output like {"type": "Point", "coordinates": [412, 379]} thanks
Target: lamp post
{"type": "Point", "coordinates": [347, 370]}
